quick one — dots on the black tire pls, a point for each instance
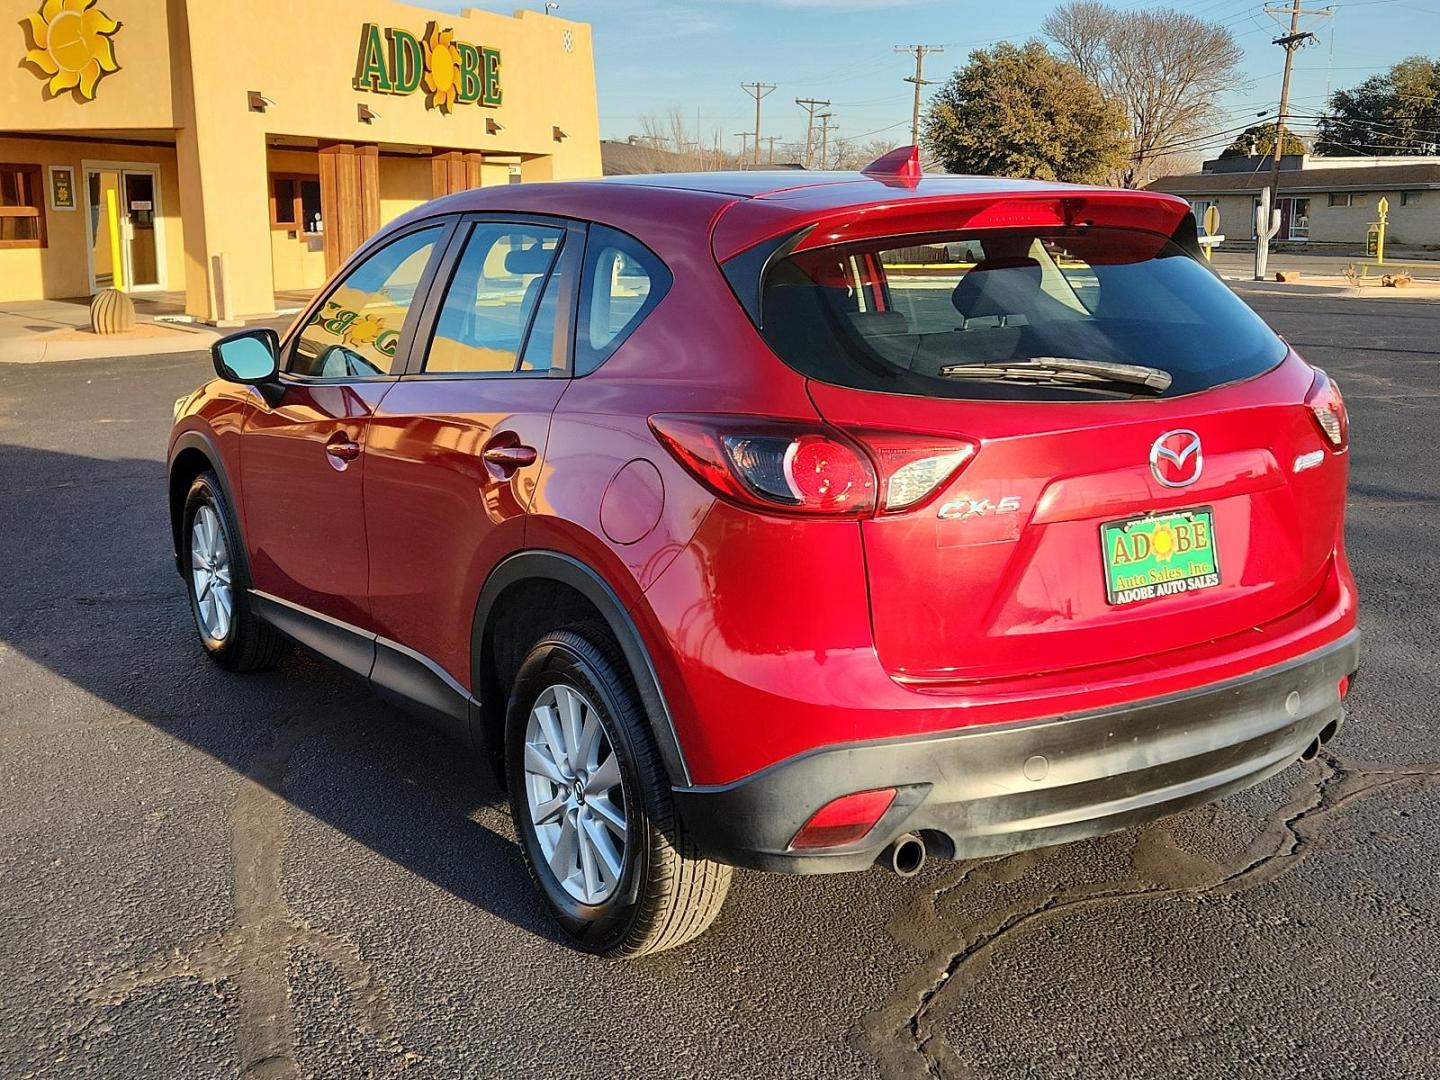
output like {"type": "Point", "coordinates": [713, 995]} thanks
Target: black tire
{"type": "Point", "coordinates": [248, 644]}
{"type": "Point", "coordinates": [667, 893]}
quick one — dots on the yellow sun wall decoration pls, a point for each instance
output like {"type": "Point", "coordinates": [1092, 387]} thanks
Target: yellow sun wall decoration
{"type": "Point", "coordinates": [72, 47]}
{"type": "Point", "coordinates": [442, 69]}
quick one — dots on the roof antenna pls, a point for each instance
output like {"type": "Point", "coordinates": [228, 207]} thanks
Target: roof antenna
{"type": "Point", "coordinates": [902, 163]}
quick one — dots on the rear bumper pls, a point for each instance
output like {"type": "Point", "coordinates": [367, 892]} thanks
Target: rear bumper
{"type": "Point", "coordinates": [998, 788]}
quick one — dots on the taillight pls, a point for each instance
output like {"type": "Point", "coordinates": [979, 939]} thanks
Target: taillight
{"type": "Point", "coordinates": [799, 468]}
{"type": "Point", "coordinates": [844, 820]}
{"type": "Point", "coordinates": [1328, 408]}
{"type": "Point", "coordinates": [811, 468]}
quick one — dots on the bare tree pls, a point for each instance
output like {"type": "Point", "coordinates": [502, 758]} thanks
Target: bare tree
{"type": "Point", "coordinates": [848, 154]}
{"type": "Point", "coordinates": [674, 146]}
{"type": "Point", "coordinates": [1165, 67]}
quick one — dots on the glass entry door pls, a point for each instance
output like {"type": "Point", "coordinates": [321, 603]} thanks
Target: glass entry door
{"type": "Point", "coordinates": [134, 194]}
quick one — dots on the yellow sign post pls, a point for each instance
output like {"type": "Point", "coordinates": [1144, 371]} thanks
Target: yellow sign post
{"type": "Point", "coordinates": [1212, 227]}
{"type": "Point", "coordinates": [1383, 208]}
{"type": "Point", "coordinates": [117, 268]}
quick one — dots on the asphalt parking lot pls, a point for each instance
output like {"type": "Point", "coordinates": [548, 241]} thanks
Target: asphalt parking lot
{"type": "Point", "coordinates": [205, 875]}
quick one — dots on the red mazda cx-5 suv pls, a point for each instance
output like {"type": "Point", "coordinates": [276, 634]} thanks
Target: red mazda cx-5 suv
{"type": "Point", "coordinates": [788, 521]}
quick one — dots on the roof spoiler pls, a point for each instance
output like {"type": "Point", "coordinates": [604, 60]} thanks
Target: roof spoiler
{"type": "Point", "coordinates": [901, 164]}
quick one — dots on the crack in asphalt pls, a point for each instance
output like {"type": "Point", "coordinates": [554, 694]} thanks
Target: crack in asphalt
{"type": "Point", "coordinates": [900, 1036]}
{"type": "Point", "coordinates": [254, 950]}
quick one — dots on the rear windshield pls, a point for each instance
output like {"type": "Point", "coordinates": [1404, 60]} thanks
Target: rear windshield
{"type": "Point", "coordinates": [1053, 313]}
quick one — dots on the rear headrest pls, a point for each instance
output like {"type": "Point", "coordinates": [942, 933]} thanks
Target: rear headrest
{"type": "Point", "coordinates": [531, 260]}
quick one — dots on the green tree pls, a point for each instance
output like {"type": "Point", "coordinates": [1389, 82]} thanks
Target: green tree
{"type": "Point", "coordinates": [1260, 140]}
{"type": "Point", "coordinates": [1397, 112]}
{"type": "Point", "coordinates": [1020, 111]}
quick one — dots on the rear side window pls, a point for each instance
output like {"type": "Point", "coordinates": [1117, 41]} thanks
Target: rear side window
{"type": "Point", "coordinates": [492, 299]}
{"type": "Point", "coordinates": [1058, 313]}
{"type": "Point", "coordinates": [623, 281]}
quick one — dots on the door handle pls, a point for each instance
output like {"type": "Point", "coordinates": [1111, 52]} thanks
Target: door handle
{"type": "Point", "coordinates": [342, 448]}
{"type": "Point", "coordinates": [509, 458]}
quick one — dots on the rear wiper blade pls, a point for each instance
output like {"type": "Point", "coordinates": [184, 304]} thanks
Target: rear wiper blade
{"type": "Point", "coordinates": [1065, 368]}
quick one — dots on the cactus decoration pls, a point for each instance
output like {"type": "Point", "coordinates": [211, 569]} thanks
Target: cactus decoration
{"type": "Point", "coordinates": [1267, 224]}
{"type": "Point", "coordinates": [111, 312]}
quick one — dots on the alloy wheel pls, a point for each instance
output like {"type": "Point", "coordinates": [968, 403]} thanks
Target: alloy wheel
{"type": "Point", "coordinates": [574, 794]}
{"type": "Point", "coordinates": [210, 573]}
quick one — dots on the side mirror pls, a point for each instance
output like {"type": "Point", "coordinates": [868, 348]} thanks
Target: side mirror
{"type": "Point", "coordinates": [251, 357]}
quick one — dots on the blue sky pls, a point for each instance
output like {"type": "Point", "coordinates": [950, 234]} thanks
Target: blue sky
{"type": "Point", "coordinates": [650, 56]}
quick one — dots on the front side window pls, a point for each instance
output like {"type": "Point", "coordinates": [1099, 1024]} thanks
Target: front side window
{"type": "Point", "coordinates": [492, 300]}
{"type": "Point", "coordinates": [22, 207]}
{"type": "Point", "coordinates": [623, 282]}
{"type": "Point", "coordinates": [357, 330]}
{"type": "Point", "coordinates": [1050, 313]}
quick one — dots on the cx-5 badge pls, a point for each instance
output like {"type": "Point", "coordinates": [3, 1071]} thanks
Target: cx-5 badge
{"type": "Point", "coordinates": [960, 509]}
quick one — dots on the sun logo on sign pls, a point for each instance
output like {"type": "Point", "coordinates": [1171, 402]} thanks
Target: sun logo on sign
{"type": "Point", "coordinates": [72, 47]}
{"type": "Point", "coordinates": [442, 69]}
{"type": "Point", "coordinates": [364, 330]}
{"type": "Point", "coordinates": [1162, 542]}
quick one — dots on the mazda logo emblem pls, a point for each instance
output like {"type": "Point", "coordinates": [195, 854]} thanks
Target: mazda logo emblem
{"type": "Point", "coordinates": [1175, 458]}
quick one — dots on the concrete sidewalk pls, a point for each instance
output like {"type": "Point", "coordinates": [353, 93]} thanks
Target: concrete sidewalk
{"type": "Point", "coordinates": [1331, 285]}
{"type": "Point", "coordinates": [46, 330]}
{"type": "Point", "coordinates": [1240, 262]}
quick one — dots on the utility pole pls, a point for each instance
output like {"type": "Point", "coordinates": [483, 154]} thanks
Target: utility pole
{"type": "Point", "coordinates": [810, 105]}
{"type": "Point", "coordinates": [759, 90]}
{"type": "Point", "coordinates": [744, 137]}
{"type": "Point", "coordinates": [770, 139]}
{"type": "Point", "coordinates": [920, 52]}
{"type": "Point", "coordinates": [1291, 41]}
{"type": "Point", "coordinates": [825, 119]}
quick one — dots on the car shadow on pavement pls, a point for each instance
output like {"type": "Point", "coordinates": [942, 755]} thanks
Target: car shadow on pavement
{"type": "Point", "coordinates": [91, 597]}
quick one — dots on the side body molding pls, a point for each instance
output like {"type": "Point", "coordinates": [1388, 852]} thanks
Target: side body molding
{"type": "Point", "coordinates": [562, 568]}
{"type": "Point", "coordinates": [415, 682]}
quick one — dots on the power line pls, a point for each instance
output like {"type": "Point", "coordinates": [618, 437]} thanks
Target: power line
{"type": "Point", "coordinates": [810, 105]}
{"type": "Point", "coordinates": [919, 52]}
{"type": "Point", "coordinates": [1291, 41]}
{"type": "Point", "coordinates": [759, 91]}
{"type": "Point", "coordinates": [825, 119]}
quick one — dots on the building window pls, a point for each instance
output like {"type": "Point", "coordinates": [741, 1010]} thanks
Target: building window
{"type": "Point", "coordinates": [1295, 214]}
{"type": "Point", "coordinates": [1409, 198]}
{"type": "Point", "coordinates": [22, 206]}
{"type": "Point", "coordinates": [295, 203]}
{"type": "Point", "coordinates": [1340, 198]}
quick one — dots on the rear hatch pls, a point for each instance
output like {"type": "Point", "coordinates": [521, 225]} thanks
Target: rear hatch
{"type": "Point", "coordinates": [1147, 471]}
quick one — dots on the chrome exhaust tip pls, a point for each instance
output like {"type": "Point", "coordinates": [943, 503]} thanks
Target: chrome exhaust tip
{"type": "Point", "coordinates": [905, 855]}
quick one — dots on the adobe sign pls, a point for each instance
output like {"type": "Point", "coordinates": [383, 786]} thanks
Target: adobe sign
{"type": "Point", "coordinates": [395, 61]}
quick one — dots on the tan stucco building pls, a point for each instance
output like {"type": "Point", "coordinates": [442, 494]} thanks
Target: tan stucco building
{"type": "Point", "coordinates": [248, 148]}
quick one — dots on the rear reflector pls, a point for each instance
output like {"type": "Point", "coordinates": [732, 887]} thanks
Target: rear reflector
{"type": "Point", "coordinates": [1344, 687]}
{"type": "Point", "coordinates": [844, 820]}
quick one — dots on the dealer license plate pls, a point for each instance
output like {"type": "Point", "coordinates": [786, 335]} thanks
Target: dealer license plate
{"type": "Point", "coordinates": [1159, 555]}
